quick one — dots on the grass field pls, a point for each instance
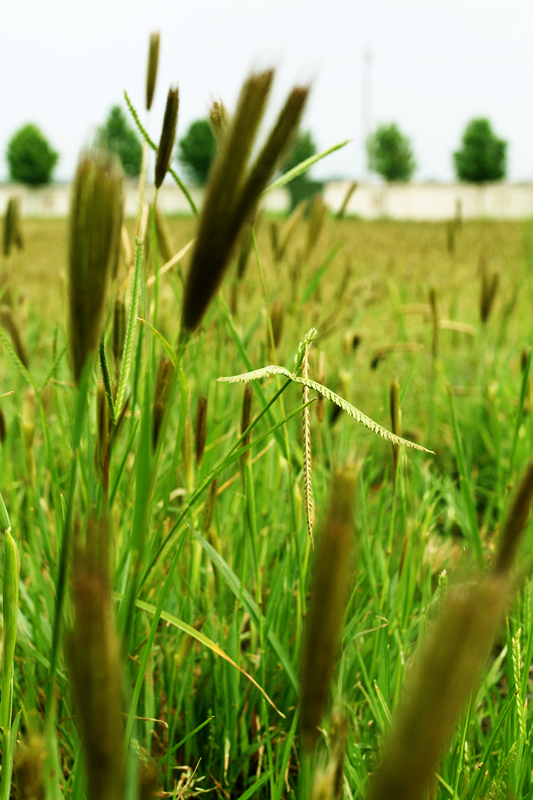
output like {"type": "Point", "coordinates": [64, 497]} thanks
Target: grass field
{"type": "Point", "coordinates": [234, 557]}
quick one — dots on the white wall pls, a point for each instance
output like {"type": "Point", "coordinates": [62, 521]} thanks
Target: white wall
{"type": "Point", "coordinates": [370, 201]}
{"type": "Point", "coordinates": [434, 201]}
{"type": "Point", "coordinates": [54, 201]}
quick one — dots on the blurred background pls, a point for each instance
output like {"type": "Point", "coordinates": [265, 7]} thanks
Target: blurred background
{"type": "Point", "coordinates": [427, 67]}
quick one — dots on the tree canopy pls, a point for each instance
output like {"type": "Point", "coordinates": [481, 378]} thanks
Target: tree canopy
{"type": "Point", "coordinates": [482, 157]}
{"type": "Point", "coordinates": [30, 157]}
{"type": "Point", "coordinates": [196, 151]}
{"type": "Point", "coordinates": [390, 154]}
{"type": "Point", "coordinates": [120, 138]}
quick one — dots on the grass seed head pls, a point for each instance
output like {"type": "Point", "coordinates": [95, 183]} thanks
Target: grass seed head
{"type": "Point", "coordinates": [201, 428]}
{"type": "Point", "coordinates": [332, 573]}
{"type": "Point", "coordinates": [102, 426]}
{"type": "Point", "coordinates": [7, 318]}
{"type": "Point", "coordinates": [119, 329]}
{"type": "Point", "coordinates": [219, 120]}
{"type": "Point", "coordinates": [163, 386]}
{"type": "Point", "coordinates": [168, 137]}
{"type": "Point", "coordinates": [234, 190]}
{"type": "Point", "coordinates": [515, 524]}
{"type": "Point", "coordinates": [95, 670]}
{"type": "Point", "coordinates": [3, 429]}
{"type": "Point", "coordinates": [246, 419]}
{"type": "Point", "coordinates": [446, 671]}
{"type": "Point", "coordinates": [29, 768]}
{"type": "Point", "coordinates": [12, 227]}
{"type": "Point", "coordinates": [277, 315]}
{"type": "Point", "coordinates": [151, 72]}
{"type": "Point", "coordinates": [489, 290]}
{"type": "Point", "coordinates": [95, 222]}
{"type": "Point", "coordinates": [164, 239]}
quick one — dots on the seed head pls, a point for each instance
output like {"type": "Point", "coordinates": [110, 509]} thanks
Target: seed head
{"type": "Point", "coordinates": [201, 428]}
{"type": "Point", "coordinates": [168, 136]}
{"type": "Point", "coordinates": [332, 573]}
{"type": "Point", "coordinates": [163, 386]}
{"type": "Point", "coordinates": [219, 121]}
{"type": "Point", "coordinates": [234, 191]}
{"type": "Point", "coordinates": [95, 222]}
{"type": "Point", "coordinates": [151, 72]}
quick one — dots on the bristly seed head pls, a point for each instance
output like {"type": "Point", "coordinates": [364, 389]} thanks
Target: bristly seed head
{"type": "Point", "coordinates": [95, 222]}
{"type": "Point", "coordinates": [234, 189]}
{"type": "Point", "coordinates": [168, 136]}
{"type": "Point", "coordinates": [151, 72]}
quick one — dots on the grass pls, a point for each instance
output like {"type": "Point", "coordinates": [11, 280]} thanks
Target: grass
{"type": "Point", "coordinates": [211, 586]}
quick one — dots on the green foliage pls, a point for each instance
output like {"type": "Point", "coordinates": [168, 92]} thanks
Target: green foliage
{"type": "Point", "coordinates": [30, 158]}
{"type": "Point", "coordinates": [118, 137]}
{"type": "Point", "coordinates": [197, 150]}
{"type": "Point", "coordinates": [390, 154]}
{"type": "Point", "coordinates": [483, 157]}
{"type": "Point", "coordinates": [302, 187]}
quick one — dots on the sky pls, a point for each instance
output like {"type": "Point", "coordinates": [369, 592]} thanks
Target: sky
{"type": "Point", "coordinates": [428, 66]}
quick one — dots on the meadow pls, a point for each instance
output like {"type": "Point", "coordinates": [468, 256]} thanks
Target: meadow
{"type": "Point", "coordinates": [210, 663]}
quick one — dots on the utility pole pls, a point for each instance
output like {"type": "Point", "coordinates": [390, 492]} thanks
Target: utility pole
{"type": "Point", "coordinates": [367, 104]}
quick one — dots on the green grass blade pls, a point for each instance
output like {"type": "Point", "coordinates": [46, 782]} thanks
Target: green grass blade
{"type": "Point", "coordinates": [239, 591]}
{"type": "Point", "coordinates": [303, 167]}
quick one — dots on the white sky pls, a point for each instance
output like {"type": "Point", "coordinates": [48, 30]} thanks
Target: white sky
{"type": "Point", "coordinates": [435, 65]}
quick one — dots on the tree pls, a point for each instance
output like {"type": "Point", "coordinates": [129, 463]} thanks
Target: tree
{"type": "Point", "coordinates": [301, 187]}
{"type": "Point", "coordinates": [30, 158]}
{"type": "Point", "coordinates": [390, 154]}
{"type": "Point", "coordinates": [120, 138]}
{"type": "Point", "coordinates": [483, 156]}
{"type": "Point", "coordinates": [196, 151]}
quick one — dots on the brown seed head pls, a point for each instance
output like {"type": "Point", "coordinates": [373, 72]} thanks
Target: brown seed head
{"type": "Point", "coordinates": [95, 670]}
{"type": "Point", "coordinates": [201, 428]}
{"type": "Point", "coordinates": [396, 420]}
{"type": "Point", "coordinates": [446, 671]}
{"type": "Point", "coordinates": [220, 121]}
{"type": "Point", "coordinates": [164, 239]}
{"type": "Point", "coordinates": [151, 72]}
{"type": "Point", "coordinates": [2, 427]}
{"type": "Point", "coordinates": [233, 193]}
{"type": "Point", "coordinates": [163, 386]}
{"type": "Point", "coordinates": [246, 419]}
{"type": "Point", "coordinates": [168, 136]}
{"type": "Point", "coordinates": [277, 312]}
{"type": "Point", "coordinates": [332, 572]}
{"type": "Point", "coordinates": [515, 523]}
{"type": "Point", "coordinates": [95, 221]}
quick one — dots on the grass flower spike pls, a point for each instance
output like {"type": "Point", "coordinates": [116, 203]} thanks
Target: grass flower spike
{"type": "Point", "coordinates": [151, 72]}
{"type": "Point", "coordinates": [95, 222]}
{"type": "Point", "coordinates": [234, 189]}
{"type": "Point", "coordinates": [168, 137]}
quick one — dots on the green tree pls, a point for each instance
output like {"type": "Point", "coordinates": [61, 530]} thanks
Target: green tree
{"type": "Point", "coordinates": [302, 187]}
{"type": "Point", "coordinates": [390, 154]}
{"type": "Point", "coordinates": [196, 151]}
{"type": "Point", "coordinates": [483, 157]}
{"type": "Point", "coordinates": [120, 138]}
{"type": "Point", "coordinates": [30, 158]}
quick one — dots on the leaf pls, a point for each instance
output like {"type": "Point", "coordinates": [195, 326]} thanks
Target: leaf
{"type": "Point", "coordinates": [329, 395]}
{"type": "Point", "coordinates": [241, 593]}
{"type": "Point", "coordinates": [302, 167]}
{"type": "Point", "coordinates": [162, 341]}
{"type": "Point", "coordinates": [203, 639]}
